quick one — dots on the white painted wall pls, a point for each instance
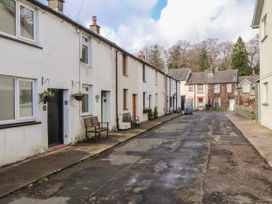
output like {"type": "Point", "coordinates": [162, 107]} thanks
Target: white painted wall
{"type": "Point", "coordinates": [266, 68]}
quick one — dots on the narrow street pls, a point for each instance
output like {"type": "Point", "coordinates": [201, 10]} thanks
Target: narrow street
{"type": "Point", "coordinates": [201, 158]}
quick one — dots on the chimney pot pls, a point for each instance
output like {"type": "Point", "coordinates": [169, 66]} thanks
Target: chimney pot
{"type": "Point", "coordinates": [56, 5]}
{"type": "Point", "coordinates": [94, 27]}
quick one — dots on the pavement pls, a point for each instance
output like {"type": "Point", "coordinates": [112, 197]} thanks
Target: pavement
{"type": "Point", "coordinates": [258, 136]}
{"type": "Point", "coordinates": [195, 159]}
{"type": "Point", "coordinates": [21, 174]}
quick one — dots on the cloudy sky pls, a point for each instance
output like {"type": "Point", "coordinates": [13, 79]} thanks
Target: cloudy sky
{"type": "Point", "coordinates": [135, 23]}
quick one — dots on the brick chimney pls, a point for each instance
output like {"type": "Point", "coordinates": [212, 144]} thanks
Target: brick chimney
{"type": "Point", "coordinates": [56, 5]}
{"type": "Point", "coordinates": [141, 55]}
{"type": "Point", "coordinates": [94, 27]}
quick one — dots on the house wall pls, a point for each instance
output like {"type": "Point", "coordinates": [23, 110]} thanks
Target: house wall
{"type": "Point", "coordinates": [194, 96]}
{"type": "Point", "coordinates": [21, 60]}
{"type": "Point", "coordinates": [245, 98]}
{"type": "Point", "coordinates": [266, 68]}
{"type": "Point", "coordinates": [223, 95]}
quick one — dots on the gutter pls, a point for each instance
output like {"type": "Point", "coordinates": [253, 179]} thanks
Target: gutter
{"type": "Point", "coordinates": [116, 89]}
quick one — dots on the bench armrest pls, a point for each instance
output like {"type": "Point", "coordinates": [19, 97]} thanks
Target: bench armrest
{"type": "Point", "coordinates": [107, 123]}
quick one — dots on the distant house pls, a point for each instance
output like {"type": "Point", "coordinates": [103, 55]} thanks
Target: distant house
{"type": "Point", "coordinates": [197, 90]}
{"type": "Point", "coordinates": [262, 21]}
{"type": "Point", "coordinates": [182, 75]}
{"type": "Point", "coordinates": [246, 90]}
{"type": "Point", "coordinates": [221, 88]}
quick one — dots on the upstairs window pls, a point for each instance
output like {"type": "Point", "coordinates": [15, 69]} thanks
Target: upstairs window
{"type": "Point", "coordinates": [144, 74]}
{"type": "Point", "coordinates": [229, 88]}
{"type": "Point", "coordinates": [216, 88]}
{"type": "Point", "coordinates": [264, 27]}
{"type": "Point", "coordinates": [200, 88]}
{"type": "Point", "coordinates": [124, 64]}
{"type": "Point", "coordinates": [85, 50]}
{"type": "Point", "coordinates": [191, 88]}
{"type": "Point", "coordinates": [17, 20]}
{"type": "Point", "coordinates": [246, 88]}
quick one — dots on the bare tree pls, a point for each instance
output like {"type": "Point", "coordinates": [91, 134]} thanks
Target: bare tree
{"type": "Point", "coordinates": [254, 53]}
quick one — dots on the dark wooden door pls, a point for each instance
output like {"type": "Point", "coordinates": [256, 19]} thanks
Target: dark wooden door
{"type": "Point", "coordinates": [134, 105]}
{"type": "Point", "coordinates": [55, 118]}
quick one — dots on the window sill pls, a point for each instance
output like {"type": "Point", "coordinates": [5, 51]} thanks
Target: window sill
{"type": "Point", "coordinates": [86, 115]}
{"type": "Point", "coordinates": [265, 104]}
{"type": "Point", "coordinates": [20, 41]}
{"type": "Point", "coordinates": [21, 124]}
{"type": "Point", "coordinates": [264, 38]}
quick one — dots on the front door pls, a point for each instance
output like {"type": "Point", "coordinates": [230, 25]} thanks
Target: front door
{"type": "Point", "coordinates": [134, 105]}
{"type": "Point", "coordinates": [55, 118]}
{"type": "Point", "coordinates": [105, 106]}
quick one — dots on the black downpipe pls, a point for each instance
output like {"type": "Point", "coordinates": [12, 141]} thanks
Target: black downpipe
{"type": "Point", "coordinates": [116, 91]}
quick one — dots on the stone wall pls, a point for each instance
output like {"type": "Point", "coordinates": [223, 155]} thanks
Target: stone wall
{"type": "Point", "coordinates": [247, 112]}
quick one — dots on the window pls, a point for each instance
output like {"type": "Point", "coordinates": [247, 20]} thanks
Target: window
{"type": "Point", "coordinates": [265, 93]}
{"type": "Point", "coordinates": [216, 102]}
{"type": "Point", "coordinates": [150, 101]}
{"type": "Point", "coordinates": [85, 50]}
{"type": "Point", "coordinates": [124, 62]}
{"type": "Point", "coordinates": [26, 22]}
{"type": "Point", "coordinates": [216, 88]}
{"type": "Point", "coordinates": [8, 16]}
{"type": "Point", "coordinates": [125, 95]}
{"type": "Point", "coordinates": [246, 88]}
{"type": "Point", "coordinates": [264, 27]}
{"type": "Point", "coordinates": [156, 77]}
{"type": "Point", "coordinates": [86, 101]}
{"type": "Point", "coordinates": [144, 79]}
{"type": "Point", "coordinates": [144, 95]}
{"type": "Point", "coordinates": [156, 100]}
{"type": "Point", "coordinates": [20, 24]}
{"type": "Point", "coordinates": [191, 88]}
{"type": "Point", "coordinates": [200, 88]}
{"type": "Point", "coordinates": [229, 88]}
{"type": "Point", "coordinates": [200, 101]}
{"type": "Point", "coordinates": [16, 99]}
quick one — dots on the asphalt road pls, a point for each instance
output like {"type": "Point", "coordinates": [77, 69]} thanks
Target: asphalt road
{"type": "Point", "coordinates": [201, 158]}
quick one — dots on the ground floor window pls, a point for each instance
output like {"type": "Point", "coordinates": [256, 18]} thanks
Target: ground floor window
{"type": "Point", "coordinates": [150, 101]}
{"type": "Point", "coordinates": [216, 102]}
{"type": "Point", "coordinates": [86, 101]}
{"type": "Point", "coordinates": [16, 99]}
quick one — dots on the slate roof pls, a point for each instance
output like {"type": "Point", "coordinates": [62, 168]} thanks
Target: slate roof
{"type": "Point", "coordinates": [249, 78]}
{"type": "Point", "coordinates": [179, 74]}
{"type": "Point", "coordinates": [216, 77]}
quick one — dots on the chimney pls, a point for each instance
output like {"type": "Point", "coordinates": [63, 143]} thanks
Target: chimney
{"type": "Point", "coordinates": [94, 27]}
{"type": "Point", "coordinates": [141, 55]}
{"type": "Point", "coordinates": [56, 5]}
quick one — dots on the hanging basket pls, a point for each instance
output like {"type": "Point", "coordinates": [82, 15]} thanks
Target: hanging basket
{"type": "Point", "coordinates": [46, 96]}
{"type": "Point", "coordinates": [78, 96]}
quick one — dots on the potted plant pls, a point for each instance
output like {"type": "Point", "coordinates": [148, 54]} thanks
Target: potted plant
{"type": "Point", "coordinates": [156, 112]}
{"type": "Point", "coordinates": [46, 96]}
{"type": "Point", "coordinates": [78, 96]}
{"type": "Point", "coordinates": [146, 110]}
{"type": "Point", "coordinates": [150, 115]}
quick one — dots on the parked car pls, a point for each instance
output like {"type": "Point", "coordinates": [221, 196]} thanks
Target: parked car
{"type": "Point", "coordinates": [188, 107]}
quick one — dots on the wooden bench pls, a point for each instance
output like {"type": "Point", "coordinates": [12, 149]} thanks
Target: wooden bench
{"type": "Point", "coordinates": [92, 125]}
{"type": "Point", "coordinates": [134, 121]}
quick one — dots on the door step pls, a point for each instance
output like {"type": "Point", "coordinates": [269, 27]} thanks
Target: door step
{"type": "Point", "coordinates": [57, 147]}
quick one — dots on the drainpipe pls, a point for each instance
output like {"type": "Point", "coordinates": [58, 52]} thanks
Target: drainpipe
{"type": "Point", "coordinates": [176, 95]}
{"type": "Point", "coordinates": [116, 90]}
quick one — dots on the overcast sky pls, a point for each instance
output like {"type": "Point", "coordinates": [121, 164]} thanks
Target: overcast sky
{"type": "Point", "coordinates": [135, 23]}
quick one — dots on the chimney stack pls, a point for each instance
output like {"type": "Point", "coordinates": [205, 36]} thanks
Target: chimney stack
{"type": "Point", "coordinates": [94, 27]}
{"type": "Point", "coordinates": [141, 55]}
{"type": "Point", "coordinates": [56, 5]}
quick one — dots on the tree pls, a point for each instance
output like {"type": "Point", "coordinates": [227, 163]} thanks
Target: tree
{"type": "Point", "coordinates": [254, 53]}
{"type": "Point", "coordinates": [203, 60]}
{"type": "Point", "coordinates": [155, 55]}
{"type": "Point", "coordinates": [239, 58]}
{"type": "Point", "coordinates": [177, 55]}
{"type": "Point", "coordinates": [212, 49]}
{"type": "Point", "coordinates": [225, 48]}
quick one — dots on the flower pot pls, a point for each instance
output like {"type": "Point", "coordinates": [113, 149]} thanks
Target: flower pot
{"type": "Point", "coordinates": [47, 99]}
{"type": "Point", "coordinates": [79, 97]}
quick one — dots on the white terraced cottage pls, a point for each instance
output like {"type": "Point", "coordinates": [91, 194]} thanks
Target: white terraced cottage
{"type": "Point", "coordinates": [263, 21]}
{"type": "Point", "coordinates": [42, 49]}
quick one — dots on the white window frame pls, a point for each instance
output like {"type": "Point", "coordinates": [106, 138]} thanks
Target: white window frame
{"type": "Point", "coordinates": [229, 88]}
{"type": "Point", "coordinates": [17, 24]}
{"type": "Point", "coordinates": [246, 88]}
{"type": "Point", "coordinates": [216, 88]}
{"type": "Point", "coordinates": [89, 93]}
{"type": "Point", "coordinates": [88, 46]}
{"type": "Point", "coordinates": [200, 91]}
{"type": "Point", "coordinates": [189, 88]}
{"type": "Point", "coordinates": [264, 27]}
{"type": "Point", "coordinates": [265, 93]}
{"type": "Point", "coordinates": [17, 118]}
